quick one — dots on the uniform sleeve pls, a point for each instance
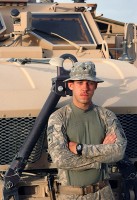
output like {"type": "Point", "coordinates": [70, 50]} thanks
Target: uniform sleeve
{"type": "Point", "coordinates": [58, 148]}
{"type": "Point", "coordinates": [108, 153]}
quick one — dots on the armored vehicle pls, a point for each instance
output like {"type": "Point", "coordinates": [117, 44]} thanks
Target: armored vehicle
{"type": "Point", "coordinates": [38, 44]}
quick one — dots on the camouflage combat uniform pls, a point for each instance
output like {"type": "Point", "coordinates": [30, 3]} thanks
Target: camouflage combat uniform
{"type": "Point", "coordinates": [92, 155]}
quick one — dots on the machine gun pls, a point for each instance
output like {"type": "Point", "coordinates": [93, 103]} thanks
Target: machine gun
{"type": "Point", "coordinates": [59, 88]}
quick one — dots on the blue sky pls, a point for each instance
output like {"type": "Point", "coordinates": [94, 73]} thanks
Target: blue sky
{"type": "Point", "coordinates": [121, 10]}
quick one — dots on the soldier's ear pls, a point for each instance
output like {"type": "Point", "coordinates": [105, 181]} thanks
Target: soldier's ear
{"type": "Point", "coordinates": [96, 85]}
{"type": "Point", "coordinates": [70, 85]}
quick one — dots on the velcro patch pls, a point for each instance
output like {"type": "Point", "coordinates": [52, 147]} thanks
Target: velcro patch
{"type": "Point", "coordinates": [50, 136]}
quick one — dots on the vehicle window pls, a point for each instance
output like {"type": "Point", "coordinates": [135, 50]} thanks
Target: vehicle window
{"type": "Point", "coordinates": [2, 25]}
{"type": "Point", "coordinates": [102, 27]}
{"type": "Point", "coordinates": [70, 26]}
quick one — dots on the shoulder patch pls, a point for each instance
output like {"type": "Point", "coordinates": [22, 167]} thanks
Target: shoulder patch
{"type": "Point", "coordinates": [50, 129]}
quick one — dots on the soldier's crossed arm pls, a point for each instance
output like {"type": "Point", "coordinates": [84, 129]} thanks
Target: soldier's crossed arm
{"type": "Point", "coordinates": [60, 153]}
{"type": "Point", "coordinates": [107, 152]}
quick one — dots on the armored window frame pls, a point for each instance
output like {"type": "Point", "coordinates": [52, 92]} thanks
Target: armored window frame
{"type": "Point", "coordinates": [2, 25]}
{"type": "Point", "coordinates": [79, 33]}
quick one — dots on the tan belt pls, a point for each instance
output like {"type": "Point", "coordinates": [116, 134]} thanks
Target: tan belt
{"type": "Point", "coordinates": [82, 190]}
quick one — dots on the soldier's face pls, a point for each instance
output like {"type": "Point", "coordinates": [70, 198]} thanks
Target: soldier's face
{"type": "Point", "coordinates": [82, 92]}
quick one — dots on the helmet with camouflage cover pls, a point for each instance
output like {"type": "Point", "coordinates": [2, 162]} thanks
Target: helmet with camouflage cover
{"type": "Point", "coordinates": [84, 71]}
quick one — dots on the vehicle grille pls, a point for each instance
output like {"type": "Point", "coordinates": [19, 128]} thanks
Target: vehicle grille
{"type": "Point", "coordinates": [129, 124]}
{"type": "Point", "coordinates": [13, 132]}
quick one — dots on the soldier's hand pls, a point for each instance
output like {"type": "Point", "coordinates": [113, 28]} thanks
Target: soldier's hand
{"type": "Point", "coordinates": [110, 138]}
{"type": "Point", "coordinates": [72, 147]}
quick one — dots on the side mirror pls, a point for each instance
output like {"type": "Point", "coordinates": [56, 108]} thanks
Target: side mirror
{"type": "Point", "coordinates": [129, 50]}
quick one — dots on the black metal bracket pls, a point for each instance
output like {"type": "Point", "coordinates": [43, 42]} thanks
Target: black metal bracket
{"type": "Point", "coordinates": [7, 194]}
{"type": "Point", "coordinates": [61, 87]}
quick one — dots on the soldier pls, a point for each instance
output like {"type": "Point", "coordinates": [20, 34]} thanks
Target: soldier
{"type": "Point", "coordinates": [83, 138]}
